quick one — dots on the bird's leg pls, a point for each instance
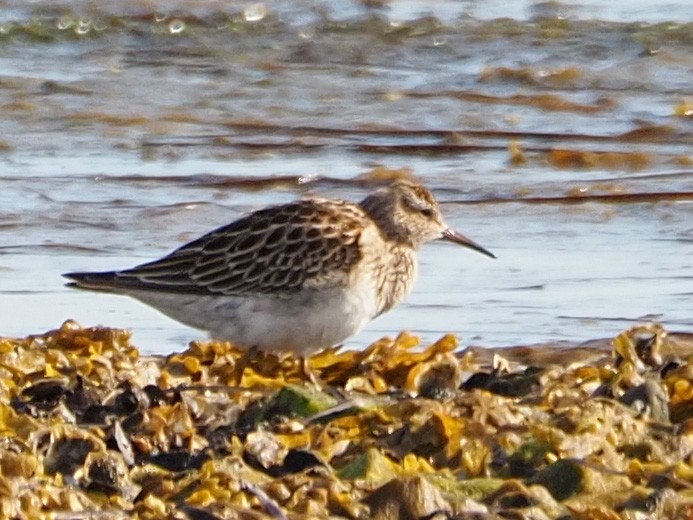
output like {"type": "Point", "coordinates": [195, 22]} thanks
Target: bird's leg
{"type": "Point", "coordinates": [248, 356]}
{"type": "Point", "coordinates": [309, 374]}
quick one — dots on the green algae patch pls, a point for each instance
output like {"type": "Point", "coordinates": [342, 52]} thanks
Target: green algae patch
{"type": "Point", "coordinates": [371, 466]}
{"type": "Point", "coordinates": [297, 401]}
{"type": "Point", "coordinates": [562, 479]}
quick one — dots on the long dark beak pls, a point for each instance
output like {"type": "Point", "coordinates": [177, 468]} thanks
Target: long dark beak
{"type": "Point", "coordinates": [453, 236]}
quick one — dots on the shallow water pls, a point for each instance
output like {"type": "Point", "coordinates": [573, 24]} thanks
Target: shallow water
{"type": "Point", "coordinates": [557, 135]}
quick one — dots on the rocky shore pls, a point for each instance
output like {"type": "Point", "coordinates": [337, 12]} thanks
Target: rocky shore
{"type": "Point", "coordinates": [90, 428]}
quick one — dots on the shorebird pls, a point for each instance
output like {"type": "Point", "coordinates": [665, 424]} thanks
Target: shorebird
{"type": "Point", "coordinates": [296, 277]}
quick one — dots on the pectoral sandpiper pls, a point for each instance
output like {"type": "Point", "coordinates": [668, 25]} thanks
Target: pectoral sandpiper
{"type": "Point", "coordinates": [295, 277]}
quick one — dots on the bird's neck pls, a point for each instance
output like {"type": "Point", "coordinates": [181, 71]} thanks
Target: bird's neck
{"type": "Point", "coordinates": [379, 209]}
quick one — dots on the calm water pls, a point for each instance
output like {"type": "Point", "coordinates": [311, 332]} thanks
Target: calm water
{"type": "Point", "coordinates": [558, 135]}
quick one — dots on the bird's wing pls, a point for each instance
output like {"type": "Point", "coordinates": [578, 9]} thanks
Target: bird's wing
{"type": "Point", "coordinates": [277, 250]}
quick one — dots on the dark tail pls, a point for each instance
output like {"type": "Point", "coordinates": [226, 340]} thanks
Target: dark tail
{"type": "Point", "coordinates": [105, 281]}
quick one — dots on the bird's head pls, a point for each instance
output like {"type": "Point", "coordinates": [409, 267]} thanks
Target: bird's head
{"type": "Point", "coordinates": [408, 212]}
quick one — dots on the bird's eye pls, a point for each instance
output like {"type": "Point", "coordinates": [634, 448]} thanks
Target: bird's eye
{"type": "Point", "coordinates": [427, 212]}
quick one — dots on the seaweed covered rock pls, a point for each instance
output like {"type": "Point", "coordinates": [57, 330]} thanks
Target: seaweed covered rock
{"type": "Point", "coordinates": [89, 427]}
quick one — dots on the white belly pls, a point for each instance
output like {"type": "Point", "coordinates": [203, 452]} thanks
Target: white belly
{"type": "Point", "coordinates": [302, 323]}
